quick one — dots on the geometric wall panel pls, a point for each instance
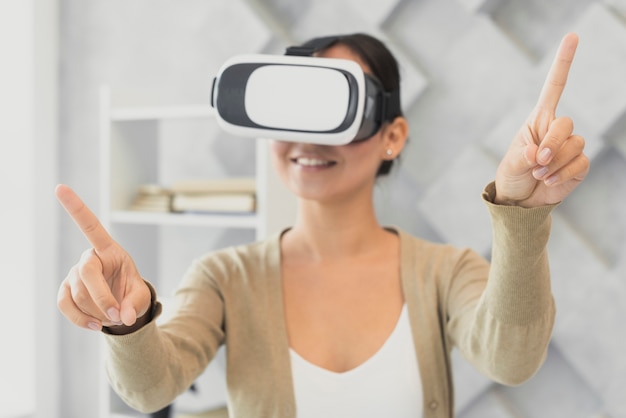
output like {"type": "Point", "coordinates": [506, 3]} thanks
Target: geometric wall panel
{"type": "Point", "coordinates": [453, 206]}
{"type": "Point", "coordinates": [599, 357]}
{"type": "Point", "coordinates": [598, 86]}
{"type": "Point", "coordinates": [616, 136]}
{"type": "Point", "coordinates": [596, 211]}
{"type": "Point", "coordinates": [537, 25]}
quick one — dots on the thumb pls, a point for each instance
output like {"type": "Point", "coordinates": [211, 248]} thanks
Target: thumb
{"type": "Point", "coordinates": [519, 161]}
{"type": "Point", "coordinates": [529, 154]}
{"type": "Point", "coordinates": [128, 313]}
{"type": "Point", "coordinates": [135, 304]}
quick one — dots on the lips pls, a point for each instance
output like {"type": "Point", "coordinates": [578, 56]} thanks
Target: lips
{"type": "Point", "coordinates": [312, 162]}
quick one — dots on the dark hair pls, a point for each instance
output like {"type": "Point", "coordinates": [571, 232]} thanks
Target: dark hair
{"type": "Point", "coordinates": [384, 66]}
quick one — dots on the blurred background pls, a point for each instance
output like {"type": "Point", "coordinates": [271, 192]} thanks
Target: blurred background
{"type": "Point", "coordinates": [472, 70]}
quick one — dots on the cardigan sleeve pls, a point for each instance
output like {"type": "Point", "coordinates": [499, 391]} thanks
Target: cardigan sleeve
{"type": "Point", "coordinates": [503, 327]}
{"type": "Point", "coordinates": [150, 367]}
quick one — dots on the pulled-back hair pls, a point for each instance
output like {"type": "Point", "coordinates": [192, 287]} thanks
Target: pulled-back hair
{"type": "Point", "coordinates": [383, 65]}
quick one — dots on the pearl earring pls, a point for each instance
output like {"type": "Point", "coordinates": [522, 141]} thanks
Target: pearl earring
{"type": "Point", "coordinates": [389, 152]}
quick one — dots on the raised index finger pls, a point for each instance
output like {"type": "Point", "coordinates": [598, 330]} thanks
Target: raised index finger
{"type": "Point", "coordinates": [83, 217]}
{"type": "Point", "coordinates": [557, 76]}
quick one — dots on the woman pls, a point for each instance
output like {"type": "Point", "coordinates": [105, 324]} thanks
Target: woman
{"type": "Point", "coordinates": [338, 315]}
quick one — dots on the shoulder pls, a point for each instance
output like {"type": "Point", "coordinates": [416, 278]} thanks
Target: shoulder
{"type": "Point", "coordinates": [242, 261]}
{"type": "Point", "coordinates": [412, 245]}
{"type": "Point", "coordinates": [447, 259]}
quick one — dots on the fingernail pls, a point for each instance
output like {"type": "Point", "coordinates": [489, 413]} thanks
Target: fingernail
{"type": "Point", "coordinates": [540, 172]}
{"type": "Point", "coordinates": [544, 155]}
{"type": "Point", "coordinates": [94, 326]}
{"type": "Point", "coordinates": [551, 180]}
{"type": "Point", "coordinates": [114, 315]}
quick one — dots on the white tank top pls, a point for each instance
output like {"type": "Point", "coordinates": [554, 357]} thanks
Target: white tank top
{"type": "Point", "coordinates": [388, 384]}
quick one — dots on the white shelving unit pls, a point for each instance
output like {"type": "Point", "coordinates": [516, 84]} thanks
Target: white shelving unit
{"type": "Point", "coordinates": [130, 156]}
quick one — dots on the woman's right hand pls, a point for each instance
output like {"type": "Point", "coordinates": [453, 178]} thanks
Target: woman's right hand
{"type": "Point", "coordinates": [104, 287]}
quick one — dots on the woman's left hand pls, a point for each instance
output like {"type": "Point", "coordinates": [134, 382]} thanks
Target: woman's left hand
{"type": "Point", "coordinates": [545, 162]}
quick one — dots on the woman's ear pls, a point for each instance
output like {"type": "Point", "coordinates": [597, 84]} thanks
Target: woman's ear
{"type": "Point", "coordinates": [395, 136]}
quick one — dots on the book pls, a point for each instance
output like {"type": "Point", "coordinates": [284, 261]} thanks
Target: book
{"type": "Point", "coordinates": [230, 195]}
{"type": "Point", "coordinates": [227, 202]}
{"type": "Point", "coordinates": [246, 185]}
{"type": "Point", "coordinates": [152, 198]}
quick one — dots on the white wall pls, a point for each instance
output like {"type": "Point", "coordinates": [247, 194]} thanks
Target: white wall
{"type": "Point", "coordinates": [17, 368]}
{"type": "Point", "coordinates": [28, 125]}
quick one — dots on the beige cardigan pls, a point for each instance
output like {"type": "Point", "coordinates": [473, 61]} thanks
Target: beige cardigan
{"type": "Point", "coordinates": [499, 317]}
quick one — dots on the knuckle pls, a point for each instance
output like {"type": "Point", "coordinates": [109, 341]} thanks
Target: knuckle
{"type": "Point", "coordinates": [86, 255]}
{"type": "Point", "coordinates": [65, 297]}
{"type": "Point", "coordinates": [554, 138]}
{"type": "Point", "coordinates": [72, 275]}
{"type": "Point", "coordinates": [567, 122]}
{"type": "Point", "coordinates": [84, 269]}
{"type": "Point", "coordinates": [81, 299]}
{"type": "Point", "coordinates": [75, 318]}
{"type": "Point", "coordinates": [62, 301]}
{"type": "Point", "coordinates": [584, 164]}
{"type": "Point", "coordinates": [88, 269]}
{"type": "Point", "coordinates": [80, 319]}
{"type": "Point", "coordinates": [579, 141]}
{"type": "Point", "coordinates": [72, 313]}
{"type": "Point", "coordinates": [101, 300]}
{"type": "Point", "coordinates": [80, 295]}
{"type": "Point", "coordinates": [91, 226]}
{"type": "Point", "coordinates": [63, 288]}
{"type": "Point", "coordinates": [561, 129]}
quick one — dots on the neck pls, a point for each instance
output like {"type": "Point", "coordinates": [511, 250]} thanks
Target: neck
{"type": "Point", "coordinates": [326, 231]}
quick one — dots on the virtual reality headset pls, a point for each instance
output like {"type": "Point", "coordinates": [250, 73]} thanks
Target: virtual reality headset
{"type": "Point", "coordinates": [301, 98]}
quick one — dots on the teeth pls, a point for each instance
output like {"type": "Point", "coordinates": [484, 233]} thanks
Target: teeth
{"type": "Point", "coordinates": [312, 162]}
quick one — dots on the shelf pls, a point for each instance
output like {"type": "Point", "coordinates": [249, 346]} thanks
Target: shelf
{"type": "Point", "coordinates": [161, 112]}
{"type": "Point", "coordinates": [244, 220]}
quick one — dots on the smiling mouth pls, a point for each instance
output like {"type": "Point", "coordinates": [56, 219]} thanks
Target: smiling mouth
{"type": "Point", "coordinates": [312, 162]}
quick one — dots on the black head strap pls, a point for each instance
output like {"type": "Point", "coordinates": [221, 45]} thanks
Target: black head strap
{"type": "Point", "coordinates": [311, 47]}
{"type": "Point", "coordinates": [391, 105]}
